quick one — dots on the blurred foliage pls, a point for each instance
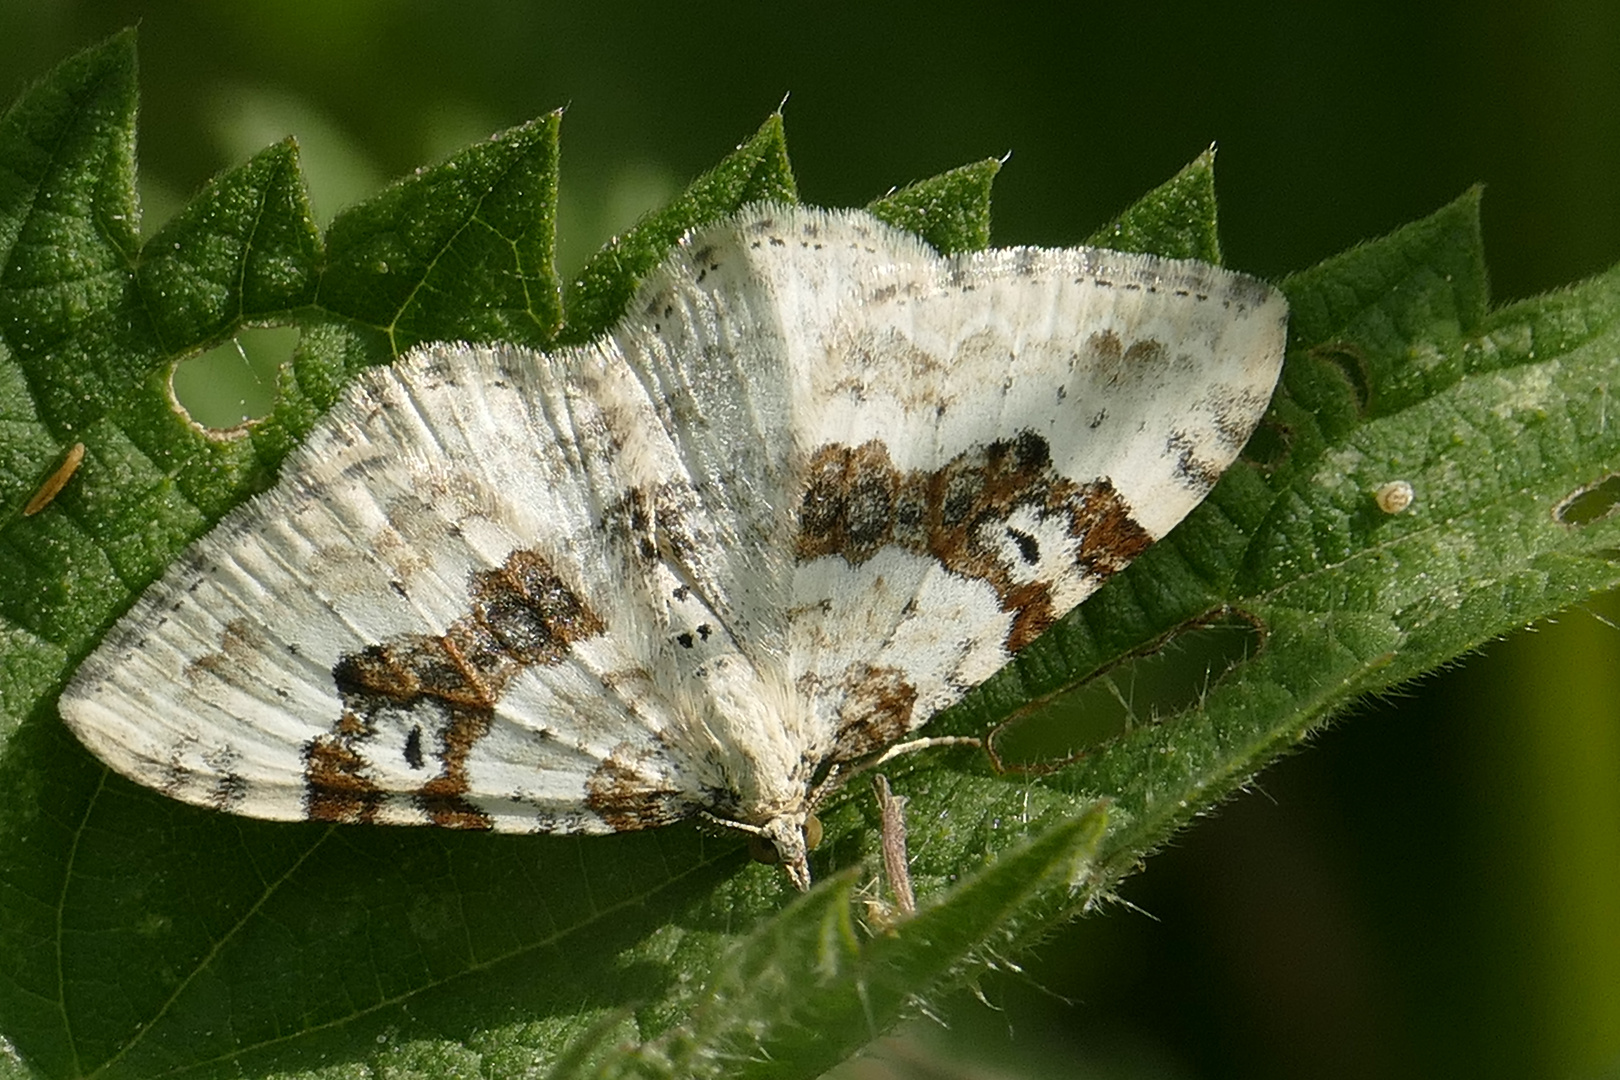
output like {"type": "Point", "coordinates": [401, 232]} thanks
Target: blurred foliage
{"type": "Point", "coordinates": [1410, 900]}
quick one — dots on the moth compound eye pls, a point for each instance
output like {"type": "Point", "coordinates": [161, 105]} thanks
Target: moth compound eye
{"type": "Point", "coordinates": [812, 833]}
{"type": "Point", "coordinates": [762, 850]}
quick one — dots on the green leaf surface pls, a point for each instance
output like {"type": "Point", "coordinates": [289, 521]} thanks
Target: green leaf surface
{"type": "Point", "coordinates": [1175, 219]}
{"type": "Point", "coordinates": [951, 211]}
{"type": "Point", "coordinates": [459, 252]}
{"type": "Point", "coordinates": [145, 938]}
{"type": "Point", "coordinates": [827, 988]}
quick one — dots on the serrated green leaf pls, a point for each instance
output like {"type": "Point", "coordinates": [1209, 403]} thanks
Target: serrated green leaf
{"type": "Point", "coordinates": [244, 249]}
{"type": "Point", "coordinates": [757, 171]}
{"type": "Point", "coordinates": [480, 226]}
{"type": "Point", "coordinates": [1175, 219]}
{"type": "Point", "coordinates": [1389, 321]}
{"type": "Point", "coordinates": [803, 991]}
{"type": "Point", "coordinates": [951, 211]}
{"type": "Point", "coordinates": [147, 938]}
{"type": "Point", "coordinates": [70, 228]}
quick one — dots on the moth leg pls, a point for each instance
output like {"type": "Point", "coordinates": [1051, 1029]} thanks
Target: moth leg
{"type": "Point", "coordinates": [837, 776]}
{"type": "Point", "coordinates": [913, 745]}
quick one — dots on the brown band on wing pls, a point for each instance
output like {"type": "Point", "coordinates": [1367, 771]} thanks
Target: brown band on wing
{"type": "Point", "coordinates": [857, 502]}
{"type": "Point", "coordinates": [876, 712]}
{"type": "Point", "coordinates": [627, 797]}
{"type": "Point", "coordinates": [445, 689]}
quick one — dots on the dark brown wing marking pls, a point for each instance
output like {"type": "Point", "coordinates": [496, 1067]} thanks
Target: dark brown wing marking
{"type": "Point", "coordinates": [627, 796]}
{"type": "Point", "coordinates": [856, 502]}
{"type": "Point", "coordinates": [876, 711]}
{"type": "Point", "coordinates": [439, 694]}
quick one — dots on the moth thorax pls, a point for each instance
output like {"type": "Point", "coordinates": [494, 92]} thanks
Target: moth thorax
{"type": "Point", "coordinates": [760, 724]}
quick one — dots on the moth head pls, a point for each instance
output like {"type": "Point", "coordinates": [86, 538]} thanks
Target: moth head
{"type": "Point", "coordinates": [787, 841]}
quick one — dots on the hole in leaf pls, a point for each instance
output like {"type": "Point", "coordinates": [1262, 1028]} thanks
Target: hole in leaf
{"type": "Point", "coordinates": [1139, 690]}
{"type": "Point", "coordinates": [1591, 503]}
{"type": "Point", "coordinates": [235, 381]}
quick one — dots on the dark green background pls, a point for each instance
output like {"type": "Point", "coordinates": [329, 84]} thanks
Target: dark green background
{"type": "Point", "coordinates": [1434, 888]}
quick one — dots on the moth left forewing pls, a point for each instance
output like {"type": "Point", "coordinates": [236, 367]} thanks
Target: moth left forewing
{"type": "Point", "coordinates": [593, 732]}
{"type": "Point", "coordinates": [433, 616]}
{"type": "Point", "coordinates": [214, 682]}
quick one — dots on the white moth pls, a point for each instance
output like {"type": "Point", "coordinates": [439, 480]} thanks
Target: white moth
{"type": "Point", "coordinates": [819, 483]}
